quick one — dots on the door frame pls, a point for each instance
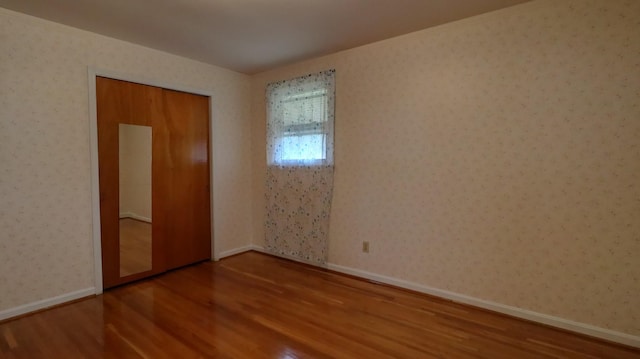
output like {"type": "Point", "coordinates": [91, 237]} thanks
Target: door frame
{"type": "Point", "coordinates": [93, 73]}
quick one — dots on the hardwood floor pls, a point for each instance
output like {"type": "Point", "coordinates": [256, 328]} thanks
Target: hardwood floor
{"type": "Point", "coordinates": [256, 306]}
{"type": "Point", "coordinates": [135, 246]}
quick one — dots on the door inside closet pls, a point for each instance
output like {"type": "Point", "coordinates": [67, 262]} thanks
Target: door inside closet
{"type": "Point", "coordinates": [154, 168]}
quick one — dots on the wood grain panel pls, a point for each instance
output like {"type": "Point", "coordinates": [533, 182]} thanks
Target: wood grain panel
{"type": "Point", "coordinates": [128, 103]}
{"type": "Point", "coordinates": [257, 306]}
{"type": "Point", "coordinates": [181, 179]}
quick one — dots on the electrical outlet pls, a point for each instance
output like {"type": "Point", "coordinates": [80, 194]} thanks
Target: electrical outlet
{"type": "Point", "coordinates": [365, 247]}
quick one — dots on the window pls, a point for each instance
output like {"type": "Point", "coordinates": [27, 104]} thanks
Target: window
{"type": "Point", "coordinates": [303, 138]}
{"type": "Point", "coordinates": [300, 121]}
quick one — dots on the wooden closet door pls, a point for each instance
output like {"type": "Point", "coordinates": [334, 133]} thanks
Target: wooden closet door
{"type": "Point", "coordinates": [120, 102]}
{"type": "Point", "coordinates": [181, 226]}
{"type": "Point", "coordinates": [181, 196]}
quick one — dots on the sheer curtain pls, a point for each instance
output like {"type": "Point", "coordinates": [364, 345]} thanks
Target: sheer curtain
{"type": "Point", "coordinates": [299, 185]}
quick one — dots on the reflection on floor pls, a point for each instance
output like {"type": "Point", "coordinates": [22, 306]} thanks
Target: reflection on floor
{"type": "Point", "coordinates": [135, 246]}
{"type": "Point", "coordinates": [256, 306]}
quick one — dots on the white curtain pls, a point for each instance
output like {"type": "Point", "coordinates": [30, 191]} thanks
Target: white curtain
{"type": "Point", "coordinates": [299, 186]}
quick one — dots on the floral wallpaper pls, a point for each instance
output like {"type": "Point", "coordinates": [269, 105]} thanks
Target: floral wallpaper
{"type": "Point", "coordinates": [496, 157]}
{"type": "Point", "coordinates": [299, 189]}
{"type": "Point", "coordinates": [298, 212]}
{"type": "Point", "coordinates": [46, 246]}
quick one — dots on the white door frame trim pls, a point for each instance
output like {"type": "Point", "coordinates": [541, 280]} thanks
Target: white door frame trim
{"type": "Point", "coordinates": [93, 73]}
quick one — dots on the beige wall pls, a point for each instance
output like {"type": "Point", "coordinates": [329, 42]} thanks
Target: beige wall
{"type": "Point", "coordinates": [45, 195]}
{"type": "Point", "coordinates": [496, 157]}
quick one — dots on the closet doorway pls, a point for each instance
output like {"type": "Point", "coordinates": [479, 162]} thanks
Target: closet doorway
{"type": "Point", "coordinates": [154, 179]}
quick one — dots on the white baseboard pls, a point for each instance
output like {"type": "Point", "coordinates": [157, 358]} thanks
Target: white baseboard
{"type": "Point", "coordinates": [291, 258]}
{"type": "Point", "coordinates": [587, 329]}
{"type": "Point", "coordinates": [50, 302]}
{"type": "Point", "coordinates": [134, 216]}
{"type": "Point", "coordinates": [234, 251]}
{"type": "Point", "coordinates": [46, 303]}
{"type": "Point", "coordinates": [553, 321]}
{"type": "Point", "coordinates": [258, 248]}
{"type": "Point", "coordinates": [557, 322]}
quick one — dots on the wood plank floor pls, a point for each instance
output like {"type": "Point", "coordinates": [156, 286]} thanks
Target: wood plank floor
{"type": "Point", "coordinates": [256, 306]}
{"type": "Point", "coordinates": [135, 246]}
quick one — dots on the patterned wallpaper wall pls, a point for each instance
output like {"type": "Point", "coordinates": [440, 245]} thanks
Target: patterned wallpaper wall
{"type": "Point", "coordinates": [45, 196]}
{"type": "Point", "coordinates": [496, 157]}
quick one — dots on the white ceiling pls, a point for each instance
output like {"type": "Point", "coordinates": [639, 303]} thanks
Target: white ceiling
{"type": "Point", "coordinates": [250, 36]}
